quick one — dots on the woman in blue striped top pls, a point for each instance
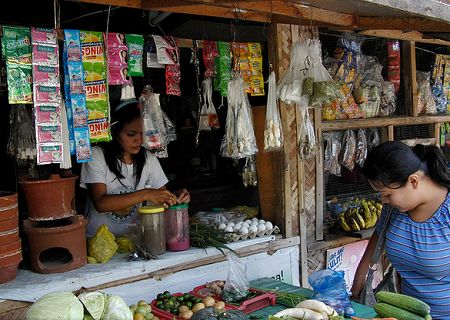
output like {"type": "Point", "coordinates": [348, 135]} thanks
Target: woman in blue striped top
{"type": "Point", "coordinates": [416, 183]}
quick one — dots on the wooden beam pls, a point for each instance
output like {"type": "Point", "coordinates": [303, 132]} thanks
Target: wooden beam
{"type": "Point", "coordinates": [400, 35]}
{"type": "Point", "coordinates": [427, 9]}
{"type": "Point", "coordinates": [381, 122]}
{"type": "Point", "coordinates": [136, 4]}
{"type": "Point", "coordinates": [399, 23]}
{"type": "Point", "coordinates": [211, 11]}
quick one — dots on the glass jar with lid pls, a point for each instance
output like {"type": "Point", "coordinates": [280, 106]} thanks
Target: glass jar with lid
{"type": "Point", "coordinates": [153, 231]}
{"type": "Point", "coordinates": [177, 227]}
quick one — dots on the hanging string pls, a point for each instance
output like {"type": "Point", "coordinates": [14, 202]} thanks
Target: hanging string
{"type": "Point", "coordinates": [57, 14]}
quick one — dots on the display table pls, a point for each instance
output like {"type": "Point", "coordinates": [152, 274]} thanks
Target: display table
{"type": "Point", "coordinates": [362, 311]}
{"type": "Point", "coordinates": [173, 271]}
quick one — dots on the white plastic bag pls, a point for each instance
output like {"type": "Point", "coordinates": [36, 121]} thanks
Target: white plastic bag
{"type": "Point", "coordinates": [273, 133]}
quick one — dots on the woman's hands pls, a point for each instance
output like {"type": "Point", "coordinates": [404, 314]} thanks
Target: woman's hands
{"type": "Point", "coordinates": [166, 198]}
{"type": "Point", "coordinates": [183, 196]}
{"type": "Point", "coordinates": [162, 197]}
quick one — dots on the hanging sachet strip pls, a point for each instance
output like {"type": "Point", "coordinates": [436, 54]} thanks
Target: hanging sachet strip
{"type": "Point", "coordinates": [95, 81]}
{"type": "Point", "coordinates": [16, 50]}
{"type": "Point", "coordinates": [75, 96]}
{"type": "Point", "coordinates": [117, 56]}
{"type": "Point", "coordinates": [46, 95]}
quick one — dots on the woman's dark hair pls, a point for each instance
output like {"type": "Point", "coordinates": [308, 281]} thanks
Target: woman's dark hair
{"type": "Point", "coordinates": [113, 151]}
{"type": "Point", "coordinates": [392, 162]}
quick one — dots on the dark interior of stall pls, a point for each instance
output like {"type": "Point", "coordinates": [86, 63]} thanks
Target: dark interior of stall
{"type": "Point", "coordinates": [192, 163]}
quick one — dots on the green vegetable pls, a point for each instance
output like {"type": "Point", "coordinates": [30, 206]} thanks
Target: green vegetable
{"type": "Point", "coordinates": [386, 310]}
{"type": "Point", "coordinates": [57, 305]}
{"type": "Point", "coordinates": [94, 302]}
{"type": "Point", "coordinates": [404, 302]}
{"type": "Point", "coordinates": [204, 236]}
{"type": "Point", "coordinates": [117, 309]}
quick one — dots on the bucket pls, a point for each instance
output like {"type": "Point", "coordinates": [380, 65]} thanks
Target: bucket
{"type": "Point", "coordinates": [50, 199]}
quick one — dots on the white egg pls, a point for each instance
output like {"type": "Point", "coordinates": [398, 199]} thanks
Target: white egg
{"type": "Point", "coordinates": [243, 230]}
{"type": "Point", "coordinates": [261, 221]}
{"type": "Point", "coordinates": [254, 223]}
{"type": "Point", "coordinates": [248, 221]}
{"type": "Point", "coordinates": [229, 229]}
{"type": "Point", "coordinates": [262, 227]}
{"type": "Point", "coordinates": [253, 228]}
{"type": "Point", "coordinates": [239, 224]}
{"type": "Point", "coordinates": [237, 227]}
{"type": "Point", "coordinates": [222, 226]}
{"type": "Point", "coordinates": [269, 225]}
{"type": "Point", "coordinates": [245, 224]}
{"type": "Point", "coordinates": [254, 219]}
{"type": "Point", "coordinates": [230, 224]}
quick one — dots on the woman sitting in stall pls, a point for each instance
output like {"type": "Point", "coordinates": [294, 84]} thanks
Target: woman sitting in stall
{"type": "Point", "coordinates": [122, 174]}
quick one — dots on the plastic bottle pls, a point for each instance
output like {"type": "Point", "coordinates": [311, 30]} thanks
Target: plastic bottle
{"type": "Point", "coordinates": [177, 227]}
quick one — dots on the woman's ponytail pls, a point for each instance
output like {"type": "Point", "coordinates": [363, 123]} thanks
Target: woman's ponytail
{"type": "Point", "coordinates": [436, 165]}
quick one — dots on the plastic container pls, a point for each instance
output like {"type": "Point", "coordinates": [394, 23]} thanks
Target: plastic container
{"type": "Point", "coordinates": [153, 229]}
{"type": "Point", "coordinates": [177, 227]}
{"type": "Point", "coordinates": [260, 301]}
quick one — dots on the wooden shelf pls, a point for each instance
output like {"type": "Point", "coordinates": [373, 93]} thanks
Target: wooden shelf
{"type": "Point", "coordinates": [381, 122]}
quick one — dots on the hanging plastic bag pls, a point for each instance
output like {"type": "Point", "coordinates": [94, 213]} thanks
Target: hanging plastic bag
{"type": "Point", "coordinates": [373, 138]}
{"type": "Point", "coordinates": [203, 122]}
{"type": "Point", "coordinates": [236, 286]}
{"type": "Point", "coordinates": [361, 148]}
{"type": "Point", "coordinates": [332, 150]}
{"type": "Point", "coordinates": [425, 100]}
{"type": "Point", "coordinates": [153, 129]}
{"type": "Point", "coordinates": [388, 101]}
{"type": "Point", "coordinates": [213, 119]}
{"type": "Point", "coordinates": [102, 246]}
{"type": "Point", "coordinates": [239, 140]}
{"type": "Point", "coordinates": [347, 157]}
{"type": "Point", "coordinates": [307, 136]}
{"type": "Point", "coordinates": [273, 135]}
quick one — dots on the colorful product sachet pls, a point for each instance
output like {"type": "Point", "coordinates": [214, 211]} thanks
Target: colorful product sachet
{"type": "Point", "coordinates": [75, 97]}
{"type": "Point", "coordinates": [46, 95]}
{"type": "Point", "coordinates": [95, 82]}
{"type": "Point", "coordinates": [16, 49]}
{"type": "Point", "coordinates": [117, 59]}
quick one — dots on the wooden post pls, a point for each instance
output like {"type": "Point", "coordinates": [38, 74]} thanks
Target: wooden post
{"type": "Point", "coordinates": [390, 133]}
{"type": "Point", "coordinates": [437, 133]}
{"type": "Point", "coordinates": [319, 174]}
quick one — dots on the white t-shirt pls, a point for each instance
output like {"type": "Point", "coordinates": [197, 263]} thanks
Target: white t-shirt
{"type": "Point", "coordinates": [97, 171]}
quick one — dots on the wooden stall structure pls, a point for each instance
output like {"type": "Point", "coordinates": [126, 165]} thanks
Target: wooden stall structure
{"type": "Point", "coordinates": [292, 190]}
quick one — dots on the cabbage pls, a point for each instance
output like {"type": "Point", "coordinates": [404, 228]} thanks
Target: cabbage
{"type": "Point", "coordinates": [95, 303]}
{"type": "Point", "coordinates": [117, 309]}
{"type": "Point", "coordinates": [56, 305]}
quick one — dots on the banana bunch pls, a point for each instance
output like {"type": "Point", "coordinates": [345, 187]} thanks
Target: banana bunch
{"type": "Point", "coordinates": [361, 217]}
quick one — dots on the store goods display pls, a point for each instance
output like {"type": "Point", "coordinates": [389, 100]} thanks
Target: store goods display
{"type": "Point", "coordinates": [177, 227]}
{"type": "Point", "coordinates": [142, 311]}
{"type": "Point", "coordinates": [360, 214]}
{"type": "Point", "coordinates": [241, 230]}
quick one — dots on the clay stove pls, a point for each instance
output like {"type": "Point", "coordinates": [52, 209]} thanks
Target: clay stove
{"type": "Point", "coordinates": [56, 233]}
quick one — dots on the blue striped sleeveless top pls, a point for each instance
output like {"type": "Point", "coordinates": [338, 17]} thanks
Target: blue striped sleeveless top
{"type": "Point", "coordinates": [420, 252]}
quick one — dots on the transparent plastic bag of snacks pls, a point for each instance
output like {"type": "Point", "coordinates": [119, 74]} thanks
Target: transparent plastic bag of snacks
{"type": "Point", "coordinates": [332, 150]}
{"type": "Point", "coordinates": [425, 100]}
{"type": "Point", "coordinates": [273, 132]}
{"type": "Point", "coordinates": [373, 138]}
{"type": "Point", "coordinates": [316, 69]}
{"type": "Point", "coordinates": [213, 119]}
{"type": "Point", "coordinates": [153, 129]}
{"type": "Point", "coordinates": [348, 107]}
{"type": "Point", "coordinates": [307, 136]}
{"type": "Point", "coordinates": [348, 154]}
{"type": "Point", "coordinates": [388, 101]}
{"type": "Point", "coordinates": [361, 148]}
